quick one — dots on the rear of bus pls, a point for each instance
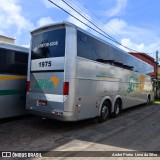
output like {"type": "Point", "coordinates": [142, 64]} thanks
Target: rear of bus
{"type": "Point", "coordinates": [50, 80]}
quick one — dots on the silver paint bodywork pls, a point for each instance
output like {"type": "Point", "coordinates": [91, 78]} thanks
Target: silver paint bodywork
{"type": "Point", "coordinates": [90, 84]}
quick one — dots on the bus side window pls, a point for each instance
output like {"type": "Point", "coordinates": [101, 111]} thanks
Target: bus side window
{"type": "Point", "coordinates": [100, 50]}
{"type": "Point", "coordinates": [84, 46]}
{"type": "Point", "coordinates": [20, 64]}
{"type": "Point", "coordinates": [6, 61]}
{"type": "Point", "coordinates": [83, 39]}
{"type": "Point", "coordinates": [12, 62]}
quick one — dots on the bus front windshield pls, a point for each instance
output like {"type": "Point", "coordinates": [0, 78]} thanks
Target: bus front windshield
{"type": "Point", "coordinates": [48, 44]}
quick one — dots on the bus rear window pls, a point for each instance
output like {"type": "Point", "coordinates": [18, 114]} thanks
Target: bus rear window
{"type": "Point", "coordinates": [48, 44]}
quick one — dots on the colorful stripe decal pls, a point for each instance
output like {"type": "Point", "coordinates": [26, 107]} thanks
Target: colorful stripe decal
{"type": "Point", "coordinates": [11, 92]}
{"type": "Point", "coordinates": [12, 77]}
{"type": "Point", "coordinates": [105, 77]}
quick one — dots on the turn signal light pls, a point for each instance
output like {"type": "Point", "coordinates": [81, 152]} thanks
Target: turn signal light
{"type": "Point", "coordinates": [28, 86]}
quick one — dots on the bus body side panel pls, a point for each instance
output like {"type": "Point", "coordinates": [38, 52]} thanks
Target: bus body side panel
{"type": "Point", "coordinates": [87, 84]}
{"type": "Point", "coordinates": [136, 89]}
{"type": "Point", "coordinates": [87, 99]}
{"type": "Point", "coordinates": [12, 96]}
{"type": "Point", "coordinates": [96, 81]}
{"type": "Point", "coordinates": [101, 80]}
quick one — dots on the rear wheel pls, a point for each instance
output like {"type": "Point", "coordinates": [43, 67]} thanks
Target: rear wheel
{"type": "Point", "coordinates": [117, 108]}
{"type": "Point", "coordinates": [105, 112]}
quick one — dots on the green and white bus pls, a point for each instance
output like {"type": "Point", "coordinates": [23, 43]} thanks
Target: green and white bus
{"type": "Point", "coordinates": [13, 78]}
{"type": "Point", "coordinates": [74, 75]}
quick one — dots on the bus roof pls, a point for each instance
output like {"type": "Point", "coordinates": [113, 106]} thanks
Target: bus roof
{"type": "Point", "coordinates": [53, 24]}
{"type": "Point", "coordinates": [14, 47]}
{"type": "Point", "coordinates": [65, 23]}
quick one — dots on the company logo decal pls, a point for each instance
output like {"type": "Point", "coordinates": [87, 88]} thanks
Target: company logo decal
{"type": "Point", "coordinates": [47, 83]}
{"type": "Point", "coordinates": [55, 81]}
{"type": "Point", "coordinates": [136, 84]}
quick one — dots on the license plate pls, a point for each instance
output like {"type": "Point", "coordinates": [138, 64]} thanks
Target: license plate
{"type": "Point", "coordinates": [42, 103]}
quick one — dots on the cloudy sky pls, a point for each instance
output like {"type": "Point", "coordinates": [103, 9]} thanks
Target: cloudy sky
{"type": "Point", "coordinates": [135, 23]}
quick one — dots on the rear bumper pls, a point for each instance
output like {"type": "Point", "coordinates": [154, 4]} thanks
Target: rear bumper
{"type": "Point", "coordinates": [67, 116]}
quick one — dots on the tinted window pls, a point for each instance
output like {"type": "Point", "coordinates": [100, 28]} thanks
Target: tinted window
{"type": "Point", "coordinates": [13, 62]}
{"type": "Point", "coordinates": [100, 50]}
{"type": "Point", "coordinates": [48, 44]}
{"type": "Point", "coordinates": [20, 57]}
{"type": "Point", "coordinates": [117, 55]}
{"type": "Point", "coordinates": [84, 45]}
{"type": "Point", "coordinates": [93, 49]}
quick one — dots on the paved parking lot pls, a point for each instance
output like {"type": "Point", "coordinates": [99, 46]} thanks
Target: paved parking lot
{"type": "Point", "coordinates": [136, 129]}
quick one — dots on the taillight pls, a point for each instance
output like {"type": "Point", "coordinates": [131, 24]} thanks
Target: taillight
{"type": "Point", "coordinates": [28, 86]}
{"type": "Point", "coordinates": [65, 88]}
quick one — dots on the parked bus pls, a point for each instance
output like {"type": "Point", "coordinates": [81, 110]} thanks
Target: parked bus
{"type": "Point", "coordinates": [75, 75]}
{"type": "Point", "coordinates": [13, 78]}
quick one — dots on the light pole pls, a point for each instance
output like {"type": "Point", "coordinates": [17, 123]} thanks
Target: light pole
{"type": "Point", "coordinates": [157, 73]}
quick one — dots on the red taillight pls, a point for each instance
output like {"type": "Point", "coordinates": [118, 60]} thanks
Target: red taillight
{"type": "Point", "coordinates": [28, 86]}
{"type": "Point", "coordinates": [65, 88]}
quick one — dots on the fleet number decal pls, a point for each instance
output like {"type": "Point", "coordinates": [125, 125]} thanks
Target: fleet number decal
{"type": "Point", "coordinates": [45, 64]}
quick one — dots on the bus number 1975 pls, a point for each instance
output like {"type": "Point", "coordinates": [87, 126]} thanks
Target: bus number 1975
{"type": "Point", "coordinates": [45, 64]}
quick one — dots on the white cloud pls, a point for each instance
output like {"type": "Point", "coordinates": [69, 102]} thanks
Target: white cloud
{"type": "Point", "coordinates": [78, 23]}
{"type": "Point", "coordinates": [127, 42]}
{"type": "Point", "coordinates": [116, 25]}
{"type": "Point", "coordinates": [26, 45]}
{"type": "Point", "coordinates": [48, 4]}
{"type": "Point", "coordinates": [45, 21]}
{"type": "Point", "coordinates": [11, 15]}
{"type": "Point", "coordinates": [57, 2]}
{"type": "Point", "coordinates": [123, 29]}
{"type": "Point", "coordinates": [118, 9]}
{"type": "Point", "coordinates": [136, 38]}
{"type": "Point", "coordinates": [141, 47]}
{"type": "Point", "coordinates": [71, 11]}
{"type": "Point", "coordinates": [13, 22]}
{"type": "Point", "coordinates": [1, 32]}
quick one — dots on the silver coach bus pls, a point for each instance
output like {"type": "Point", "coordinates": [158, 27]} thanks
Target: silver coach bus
{"type": "Point", "coordinates": [13, 78]}
{"type": "Point", "coordinates": [75, 75]}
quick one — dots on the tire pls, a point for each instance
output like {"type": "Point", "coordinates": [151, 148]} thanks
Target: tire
{"type": "Point", "coordinates": [117, 108]}
{"type": "Point", "coordinates": [105, 112]}
{"type": "Point", "coordinates": [148, 100]}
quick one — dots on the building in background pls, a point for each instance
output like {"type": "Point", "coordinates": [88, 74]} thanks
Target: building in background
{"type": "Point", "coordinates": [159, 71]}
{"type": "Point", "coordinates": [7, 39]}
{"type": "Point", "coordinates": [148, 59]}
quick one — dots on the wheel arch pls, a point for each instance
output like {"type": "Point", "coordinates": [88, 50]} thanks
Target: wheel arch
{"type": "Point", "coordinates": [106, 98]}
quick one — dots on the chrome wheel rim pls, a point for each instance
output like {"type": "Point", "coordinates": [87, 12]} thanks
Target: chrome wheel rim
{"type": "Point", "coordinates": [117, 109]}
{"type": "Point", "coordinates": [105, 111]}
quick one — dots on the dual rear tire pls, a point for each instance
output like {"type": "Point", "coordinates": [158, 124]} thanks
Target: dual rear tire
{"type": "Point", "coordinates": [117, 108]}
{"type": "Point", "coordinates": [106, 110]}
